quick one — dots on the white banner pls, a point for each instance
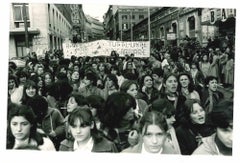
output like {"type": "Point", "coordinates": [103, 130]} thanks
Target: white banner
{"type": "Point", "coordinates": [104, 48]}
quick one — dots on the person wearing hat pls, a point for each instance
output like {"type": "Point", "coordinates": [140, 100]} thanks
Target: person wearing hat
{"type": "Point", "coordinates": [219, 143]}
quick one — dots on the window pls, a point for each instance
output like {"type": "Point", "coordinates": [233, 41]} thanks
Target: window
{"type": "Point", "coordinates": [19, 15]}
{"type": "Point", "coordinates": [124, 17]}
{"type": "Point", "coordinates": [124, 26]}
{"type": "Point", "coordinates": [191, 22]}
{"type": "Point", "coordinates": [162, 32]}
{"type": "Point", "coordinates": [133, 17]}
{"type": "Point", "coordinates": [141, 16]}
{"type": "Point", "coordinates": [174, 27]}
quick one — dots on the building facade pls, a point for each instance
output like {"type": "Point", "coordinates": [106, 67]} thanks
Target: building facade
{"type": "Point", "coordinates": [169, 25]}
{"type": "Point", "coordinates": [120, 19]}
{"type": "Point", "coordinates": [45, 28]}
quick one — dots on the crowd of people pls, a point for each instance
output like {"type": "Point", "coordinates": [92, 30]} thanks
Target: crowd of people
{"type": "Point", "coordinates": [168, 103]}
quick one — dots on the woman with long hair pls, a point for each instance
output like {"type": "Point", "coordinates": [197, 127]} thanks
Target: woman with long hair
{"type": "Point", "coordinates": [153, 131]}
{"type": "Point", "coordinates": [84, 135]}
{"type": "Point", "coordinates": [22, 129]}
{"type": "Point", "coordinates": [118, 118]}
{"type": "Point", "coordinates": [193, 127]}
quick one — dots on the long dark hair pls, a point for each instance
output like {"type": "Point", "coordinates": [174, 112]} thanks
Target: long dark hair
{"type": "Point", "coordinates": [26, 112]}
{"type": "Point", "coordinates": [190, 85]}
{"type": "Point", "coordinates": [116, 106]}
{"type": "Point", "coordinates": [86, 119]}
{"type": "Point", "coordinates": [28, 84]}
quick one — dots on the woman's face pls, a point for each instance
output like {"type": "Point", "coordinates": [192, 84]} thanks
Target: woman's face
{"type": "Point", "coordinates": [171, 84]}
{"type": "Point", "coordinates": [40, 71]}
{"type": "Point", "coordinates": [11, 84]}
{"type": "Point", "coordinates": [31, 91]}
{"type": "Point", "coordinates": [133, 90]}
{"type": "Point", "coordinates": [75, 75]}
{"type": "Point", "coordinates": [197, 115]}
{"type": "Point", "coordinates": [94, 66]}
{"type": "Point", "coordinates": [79, 131]}
{"type": "Point", "coordinates": [101, 67]}
{"type": "Point", "coordinates": [110, 82]}
{"type": "Point", "coordinates": [154, 139]}
{"type": "Point", "coordinates": [86, 81]}
{"type": "Point", "coordinates": [20, 127]}
{"type": "Point", "coordinates": [40, 82]}
{"type": "Point", "coordinates": [184, 81]}
{"type": "Point", "coordinates": [148, 82]}
{"type": "Point", "coordinates": [76, 68]}
{"type": "Point", "coordinates": [225, 136]}
{"type": "Point", "coordinates": [212, 86]}
{"type": "Point", "coordinates": [170, 121]}
{"type": "Point", "coordinates": [71, 105]}
{"type": "Point", "coordinates": [48, 79]}
{"type": "Point", "coordinates": [113, 71]}
{"type": "Point", "coordinates": [205, 58]}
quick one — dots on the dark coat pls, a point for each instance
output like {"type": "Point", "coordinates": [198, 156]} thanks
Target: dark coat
{"type": "Point", "coordinates": [190, 135]}
{"type": "Point", "coordinates": [102, 146]}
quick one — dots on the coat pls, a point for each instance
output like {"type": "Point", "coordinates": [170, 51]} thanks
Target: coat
{"type": "Point", "coordinates": [208, 147]}
{"type": "Point", "coordinates": [53, 120]}
{"type": "Point", "coordinates": [189, 136]}
{"type": "Point", "coordinates": [102, 146]}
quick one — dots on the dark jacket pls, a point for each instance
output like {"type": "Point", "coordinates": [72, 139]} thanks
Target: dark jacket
{"type": "Point", "coordinates": [190, 136]}
{"type": "Point", "coordinates": [102, 146]}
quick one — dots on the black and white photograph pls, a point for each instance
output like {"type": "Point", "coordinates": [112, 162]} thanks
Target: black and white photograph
{"type": "Point", "coordinates": [140, 80]}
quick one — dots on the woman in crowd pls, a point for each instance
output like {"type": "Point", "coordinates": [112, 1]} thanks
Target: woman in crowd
{"type": "Point", "coordinates": [204, 65]}
{"type": "Point", "coordinates": [110, 84]}
{"type": "Point", "coordinates": [193, 127]}
{"type": "Point", "coordinates": [219, 143]}
{"type": "Point", "coordinates": [198, 78]}
{"type": "Point", "coordinates": [96, 105]}
{"type": "Point", "coordinates": [48, 78]}
{"type": "Point", "coordinates": [168, 111]}
{"type": "Point", "coordinates": [22, 129]}
{"type": "Point", "coordinates": [211, 95]}
{"type": "Point", "coordinates": [170, 84]}
{"type": "Point", "coordinates": [30, 90]}
{"type": "Point", "coordinates": [147, 91]}
{"type": "Point", "coordinates": [118, 118]}
{"type": "Point", "coordinates": [14, 92]}
{"type": "Point", "coordinates": [115, 70]}
{"type": "Point", "coordinates": [75, 101]}
{"type": "Point", "coordinates": [75, 80]}
{"type": "Point", "coordinates": [84, 135]}
{"type": "Point", "coordinates": [153, 131]}
{"type": "Point", "coordinates": [131, 87]}
{"type": "Point", "coordinates": [186, 86]}
{"type": "Point", "coordinates": [102, 74]}
{"type": "Point", "coordinates": [89, 86]}
{"type": "Point", "coordinates": [214, 64]}
{"type": "Point", "coordinates": [50, 120]}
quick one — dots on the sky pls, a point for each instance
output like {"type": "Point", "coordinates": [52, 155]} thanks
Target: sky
{"type": "Point", "coordinates": [95, 11]}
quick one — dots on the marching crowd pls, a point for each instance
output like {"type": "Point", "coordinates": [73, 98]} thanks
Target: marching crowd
{"type": "Point", "coordinates": [168, 103]}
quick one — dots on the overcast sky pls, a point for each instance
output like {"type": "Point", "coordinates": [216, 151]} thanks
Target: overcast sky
{"type": "Point", "coordinates": [95, 11]}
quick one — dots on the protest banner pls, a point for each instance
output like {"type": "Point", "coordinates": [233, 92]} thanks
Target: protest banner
{"type": "Point", "coordinates": [104, 48]}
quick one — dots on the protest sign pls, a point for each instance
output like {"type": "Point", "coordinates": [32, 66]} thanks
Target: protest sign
{"type": "Point", "coordinates": [104, 48]}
